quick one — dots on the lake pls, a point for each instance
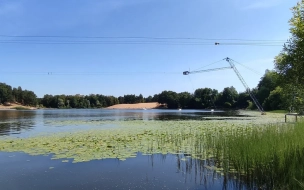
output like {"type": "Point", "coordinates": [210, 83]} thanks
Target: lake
{"type": "Point", "coordinates": [28, 123]}
{"type": "Point", "coordinates": [23, 169]}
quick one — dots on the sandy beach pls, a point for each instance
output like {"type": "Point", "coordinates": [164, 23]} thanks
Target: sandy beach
{"type": "Point", "coordinates": [151, 105]}
{"type": "Point", "coordinates": [12, 106]}
{"type": "Point", "coordinates": [136, 106]}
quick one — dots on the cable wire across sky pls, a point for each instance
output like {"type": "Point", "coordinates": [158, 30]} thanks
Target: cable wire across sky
{"type": "Point", "coordinates": [88, 73]}
{"type": "Point", "coordinates": [132, 40]}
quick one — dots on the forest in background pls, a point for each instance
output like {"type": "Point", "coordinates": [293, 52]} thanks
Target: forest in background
{"type": "Point", "coordinates": [267, 92]}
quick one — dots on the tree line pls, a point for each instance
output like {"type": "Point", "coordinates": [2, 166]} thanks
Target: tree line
{"type": "Point", "coordinates": [9, 94]}
{"type": "Point", "coordinates": [267, 92]}
{"type": "Point", "coordinates": [77, 101]}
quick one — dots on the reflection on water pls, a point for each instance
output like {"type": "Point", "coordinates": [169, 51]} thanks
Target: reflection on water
{"type": "Point", "coordinates": [153, 114]}
{"type": "Point", "coordinates": [25, 123]}
{"type": "Point", "coordinates": [14, 122]}
{"type": "Point", "coordinates": [21, 171]}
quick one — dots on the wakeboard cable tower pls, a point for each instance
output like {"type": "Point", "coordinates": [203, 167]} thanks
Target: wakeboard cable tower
{"type": "Point", "coordinates": [232, 66]}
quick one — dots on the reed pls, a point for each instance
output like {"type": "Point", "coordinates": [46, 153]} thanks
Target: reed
{"type": "Point", "coordinates": [268, 156]}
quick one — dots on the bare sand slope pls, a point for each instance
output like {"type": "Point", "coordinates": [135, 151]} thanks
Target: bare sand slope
{"type": "Point", "coordinates": [12, 106]}
{"type": "Point", "coordinates": [135, 106]}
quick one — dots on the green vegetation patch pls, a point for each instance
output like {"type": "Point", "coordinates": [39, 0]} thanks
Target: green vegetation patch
{"type": "Point", "coordinates": [278, 111]}
{"type": "Point", "coordinates": [149, 137]}
{"type": "Point", "coordinates": [269, 155]}
{"type": "Point", "coordinates": [21, 108]}
{"type": "Point", "coordinates": [134, 136]}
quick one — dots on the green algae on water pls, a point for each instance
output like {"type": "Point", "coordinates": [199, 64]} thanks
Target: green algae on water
{"type": "Point", "coordinates": [254, 149]}
{"type": "Point", "coordinates": [148, 137]}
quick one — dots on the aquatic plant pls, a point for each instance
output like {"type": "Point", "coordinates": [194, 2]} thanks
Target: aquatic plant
{"type": "Point", "coordinates": [265, 157]}
{"type": "Point", "coordinates": [259, 154]}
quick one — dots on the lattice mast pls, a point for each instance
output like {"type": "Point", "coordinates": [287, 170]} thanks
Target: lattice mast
{"type": "Point", "coordinates": [232, 66]}
{"type": "Point", "coordinates": [255, 100]}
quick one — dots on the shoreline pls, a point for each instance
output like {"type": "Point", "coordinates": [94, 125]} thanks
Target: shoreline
{"type": "Point", "coordinates": [151, 105]}
{"type": "Point", "coordinates": [16, 106]}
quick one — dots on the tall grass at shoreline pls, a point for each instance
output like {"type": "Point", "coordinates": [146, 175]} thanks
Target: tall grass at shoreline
{"type": "Point", "coordinates": [266, 157]}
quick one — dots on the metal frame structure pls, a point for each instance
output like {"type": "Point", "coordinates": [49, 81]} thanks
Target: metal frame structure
{"type": "Point", "coordinates": [232, 66]}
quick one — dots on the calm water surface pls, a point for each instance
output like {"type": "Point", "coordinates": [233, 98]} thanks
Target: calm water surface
{"type": "Point", "coordinates": [22, 171]}
{"type": "Point", "coordinates": [27, 123]}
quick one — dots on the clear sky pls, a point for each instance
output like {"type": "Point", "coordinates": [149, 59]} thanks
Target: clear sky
{"type": "Point", "coordinates": [179, 35]}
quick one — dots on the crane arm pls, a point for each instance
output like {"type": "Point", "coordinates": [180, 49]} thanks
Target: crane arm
{"type": "Point", "coordinates": [207, 70]}
{"type": "Point", "coordinates": [232, 66]}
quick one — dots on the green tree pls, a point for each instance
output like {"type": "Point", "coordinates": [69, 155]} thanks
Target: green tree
{"type": "Point", "coordinates": [170, 98]}
{"type": "Point", "coordinates": [148, 99]}
{"type": "Point", "coordinates": [205, 98]}
{"type": "Point", "coordinates": [29, 98]}
{"type": "Point", "coordinates": [244, 100]}
{"type": "Point", "coordinates": [20, 95]}
{"type": "Point", "coordinates": [61, 103]}
{"type": "Point", "coordinates": [93, 100]}
{"type": "Point", "coordinates": [155, 98]}
{"type": "Point", "coordinates": [74, 101]}
{"type": "Point", "coordinates": [6, 93]}
{"type": "Point", "coordinates": [111, 100]}
{"type": "Point", "coordinates": [275, 101]}
{"type": "Point", "coordinates": [267, 84]}
{"type": "Point", "coordinates": [98, 104]}
{"type": "Point", "coordinates": [185, 99]}
{"type": "Point", "coordinates": [121, 99]}
{"type": "Point", "coordinates": [139, 99]}
{"type": "Point", "coordinates": [289, 63]}
{"type": "Point", "coordinates": [129, 99]}
{"type": "Point", "coordinates": [82, 103]}
{"type": "Point", "coordinates": [46, 100]}
{"type": "Point", "coordinates": [228, 97]}
{"type": "Point", "coordinates": [102, 100]}
{"type": "Point", "coordinates": [15, 94]}
{"type": "Point", "coordinates": [88, 103]}
{"type": "Point", "coordinates": [68, 103]}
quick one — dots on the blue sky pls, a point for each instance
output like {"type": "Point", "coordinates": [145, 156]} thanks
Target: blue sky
{"type": "Point", "coordinates": [146, 66]}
